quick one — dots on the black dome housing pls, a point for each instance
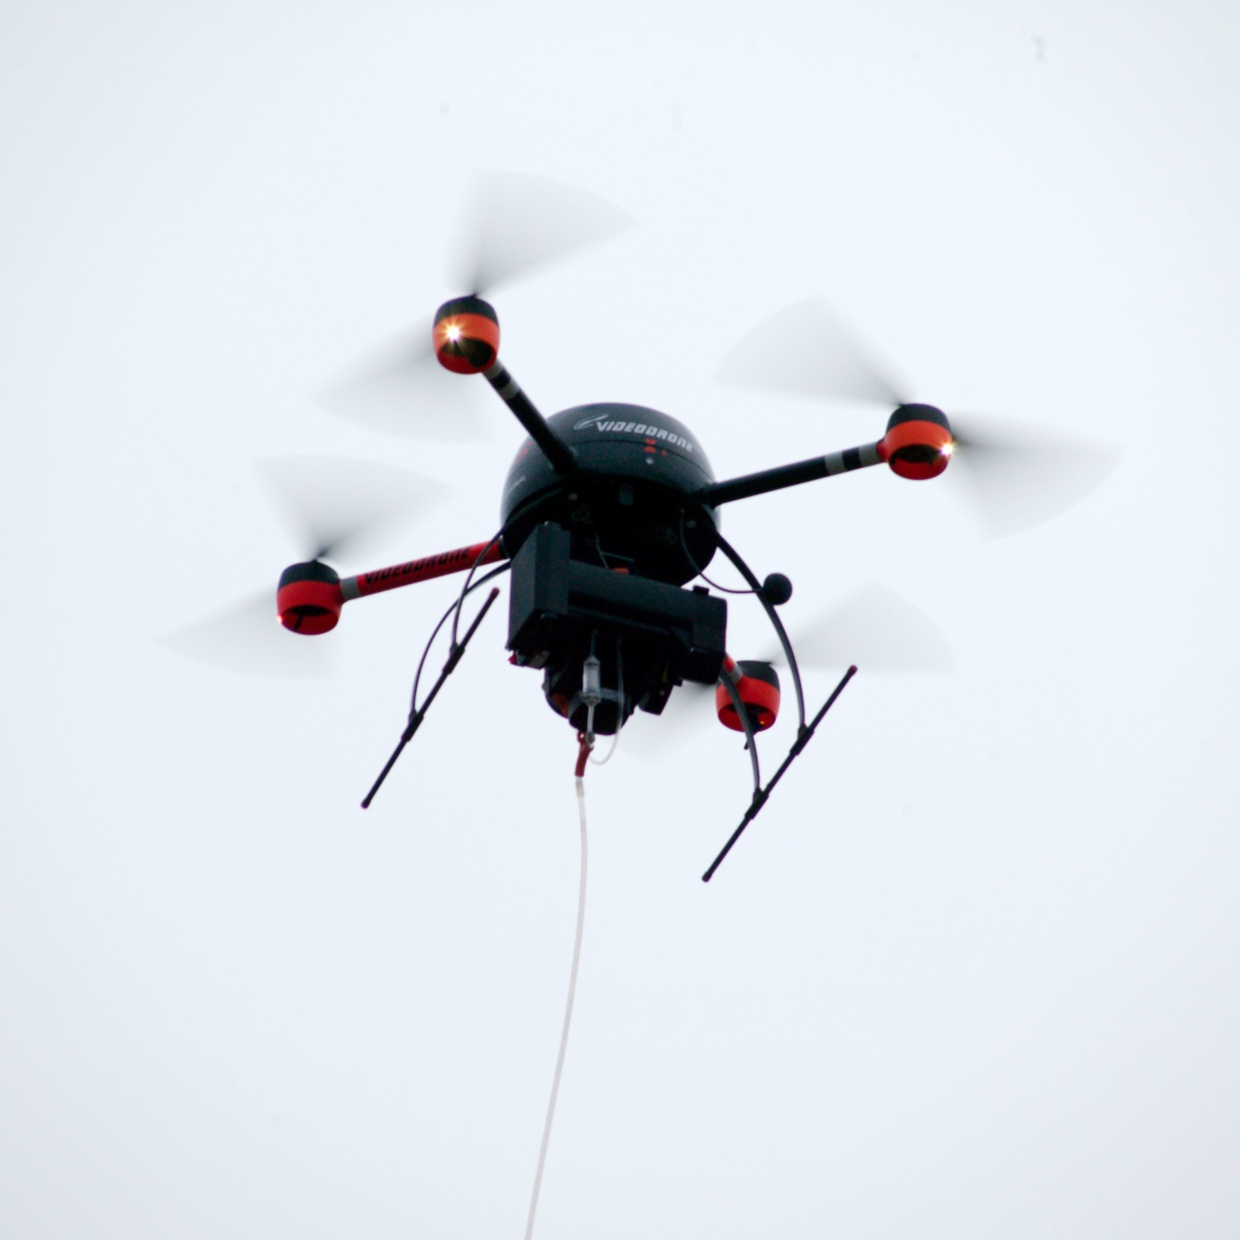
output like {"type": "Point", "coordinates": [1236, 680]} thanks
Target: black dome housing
{"type": "Point", "coordinates": [631, 504]}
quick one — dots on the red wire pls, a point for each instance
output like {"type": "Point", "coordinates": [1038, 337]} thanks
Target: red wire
{"type": "Point", "coordinates": [583, 754]}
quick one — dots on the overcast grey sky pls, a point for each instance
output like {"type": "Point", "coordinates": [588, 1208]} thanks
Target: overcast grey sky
{"type": "Point", "coordinates": [971, 974]}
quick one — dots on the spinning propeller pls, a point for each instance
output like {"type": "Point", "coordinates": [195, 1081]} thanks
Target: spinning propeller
{"type": "Point", "coordinates": [514, 225]}
{"type": "Point", "coordinates": [331, 506]}
{"type": "Point", "coordinates": [1013, 477]}
{"type": "Point", "coordinates": [873, 626]}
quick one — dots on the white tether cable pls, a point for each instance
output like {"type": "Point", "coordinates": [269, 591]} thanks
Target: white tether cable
{"type": "Point", "coordinates": [568, 1008]}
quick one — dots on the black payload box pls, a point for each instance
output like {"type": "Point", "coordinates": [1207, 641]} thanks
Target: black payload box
{"type": "Point", "coordinates": [557, 601]}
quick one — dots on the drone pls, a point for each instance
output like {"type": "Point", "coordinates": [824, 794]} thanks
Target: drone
{"type": "Point", "coordinates": [609, 520]}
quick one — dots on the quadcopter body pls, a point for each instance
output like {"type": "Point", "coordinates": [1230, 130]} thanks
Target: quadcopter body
{"type": "Point", "coordinates": [607, 512]}
{"type": "Point", "coordinates": [610, 514]}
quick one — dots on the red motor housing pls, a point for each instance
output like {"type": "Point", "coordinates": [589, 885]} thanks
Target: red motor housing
{"type": "Point", "coordinates": [757, 684]}
{"type": "Point", "coordinates": [308, 598]}
{"type": "Point", "coordinates": [918, 443]}
{"type": "Point", "coordinates": [466, 335]}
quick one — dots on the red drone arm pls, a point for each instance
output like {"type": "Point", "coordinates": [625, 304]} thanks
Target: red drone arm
{"type": "Point", "coordinates": [429, 566]}
{"type": "Point", "coordinates": [310, 596]}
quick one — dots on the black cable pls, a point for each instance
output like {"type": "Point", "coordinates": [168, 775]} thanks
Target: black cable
{"type": "Point", "coordinates": [418, 715]}
{"type": "Point", "coordinates": [684, 546]}
{"type": "Point", "coordinates": [746, 722]}
{"type": "Point", "coordinates": [454, 607]}
{"type": "Point", "coordinates": [776, 623]}
{"type": "Point", "coordinates": [465, 589]}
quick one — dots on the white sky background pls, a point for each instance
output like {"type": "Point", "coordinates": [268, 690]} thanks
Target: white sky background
{"type": "Point", "coordinates": [973, 971]}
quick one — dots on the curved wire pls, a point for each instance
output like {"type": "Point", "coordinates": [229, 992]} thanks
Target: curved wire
{"type": "Point", "coordinates": [751, 739]}
{"type": "Point", "coordinates": [611, 749]}
{"type": "Point", "coordinates": [615, 736]}
{"type": "Point", "coordinates": [465, 589]}
{"type": "Point", "coordinates": [455, 607]}
{"type": "Point", "coordinates": [684, 546]}
{"type": "Point", "coordinates": [776, 623]}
